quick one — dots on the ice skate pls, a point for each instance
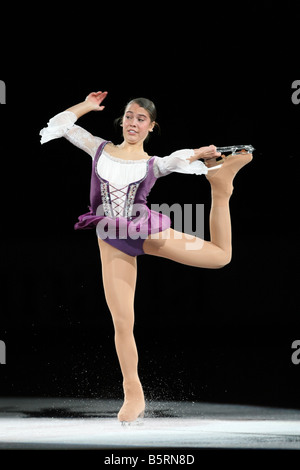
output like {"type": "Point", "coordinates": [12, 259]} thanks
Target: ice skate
{"type": "Point", "coordinates": [133, 408]}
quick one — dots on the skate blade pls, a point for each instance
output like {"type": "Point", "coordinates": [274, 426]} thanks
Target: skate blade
{"type": "Point", "coordinates": [139, 421]}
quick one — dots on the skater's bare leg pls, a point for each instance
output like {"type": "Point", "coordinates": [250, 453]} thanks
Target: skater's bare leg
{"type": "Point", "coordinates": [119, 281]}
{"type": "Point", "coordinates": [215, 253]}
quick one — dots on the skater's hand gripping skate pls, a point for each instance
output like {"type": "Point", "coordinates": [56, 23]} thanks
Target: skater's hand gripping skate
{"type": "Point", "coordinates": [205, 153]}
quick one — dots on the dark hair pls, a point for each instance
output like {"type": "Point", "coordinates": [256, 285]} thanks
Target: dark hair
{"type": "Point", "coordinates": [148, 105]}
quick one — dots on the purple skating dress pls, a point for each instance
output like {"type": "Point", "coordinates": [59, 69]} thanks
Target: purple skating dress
{"type": "Point", "coordinates": [119, 188]}
{"type": "Point", "coordinates": [125, 226]}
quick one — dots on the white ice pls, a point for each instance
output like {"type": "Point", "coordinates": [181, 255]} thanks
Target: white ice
{"type": "Point", "coordinates": [186, 424]}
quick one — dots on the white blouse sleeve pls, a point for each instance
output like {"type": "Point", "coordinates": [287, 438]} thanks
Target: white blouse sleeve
{"type": "Point", "coordinates": [63, 125]}
{"type": "Point", "coordinates": [177, 162]}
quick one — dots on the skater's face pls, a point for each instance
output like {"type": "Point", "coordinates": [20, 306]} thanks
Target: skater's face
{"type": "Point", "coordinates": [136, 123]}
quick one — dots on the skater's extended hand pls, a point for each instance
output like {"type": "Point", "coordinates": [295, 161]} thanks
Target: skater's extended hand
{"type": "Point", "coordinates": [95, 99]}
{"type": "Point", "coordinates": [205, 153]}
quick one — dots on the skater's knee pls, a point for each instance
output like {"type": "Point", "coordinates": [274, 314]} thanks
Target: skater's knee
{"type": "Point", "coordinates": [123, 323]}
{"type": "Point", "coordinates": [220, 260]}
{"type": "Point", "coordinates": [224, 260]}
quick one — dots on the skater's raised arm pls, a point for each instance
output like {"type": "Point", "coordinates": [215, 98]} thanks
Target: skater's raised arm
{"type": "Point", "coordinates": [63, 124]}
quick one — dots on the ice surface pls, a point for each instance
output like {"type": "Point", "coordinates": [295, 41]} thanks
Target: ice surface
{"type": "Point", "coordinates": [91, 423]}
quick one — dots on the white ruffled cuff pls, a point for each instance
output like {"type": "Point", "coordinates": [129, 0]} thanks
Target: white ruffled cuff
{"type": "Point", "coordinates": [178, 162]}
{"type": "Point", "coordinates": [58, 126]}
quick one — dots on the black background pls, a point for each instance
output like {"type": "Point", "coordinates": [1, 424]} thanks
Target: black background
{"type": "Point", "coordinates": [216, 78]}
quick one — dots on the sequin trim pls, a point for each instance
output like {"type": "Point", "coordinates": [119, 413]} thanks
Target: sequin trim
{"type": "Point", "coordinates": [106, 198]}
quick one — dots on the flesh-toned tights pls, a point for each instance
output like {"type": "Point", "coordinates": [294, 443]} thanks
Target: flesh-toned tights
{"type": "Point", "coordinates": [119, 272]}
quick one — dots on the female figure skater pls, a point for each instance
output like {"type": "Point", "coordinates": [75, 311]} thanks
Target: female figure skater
{"type": "Point", "coordinates": [122, 176]}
